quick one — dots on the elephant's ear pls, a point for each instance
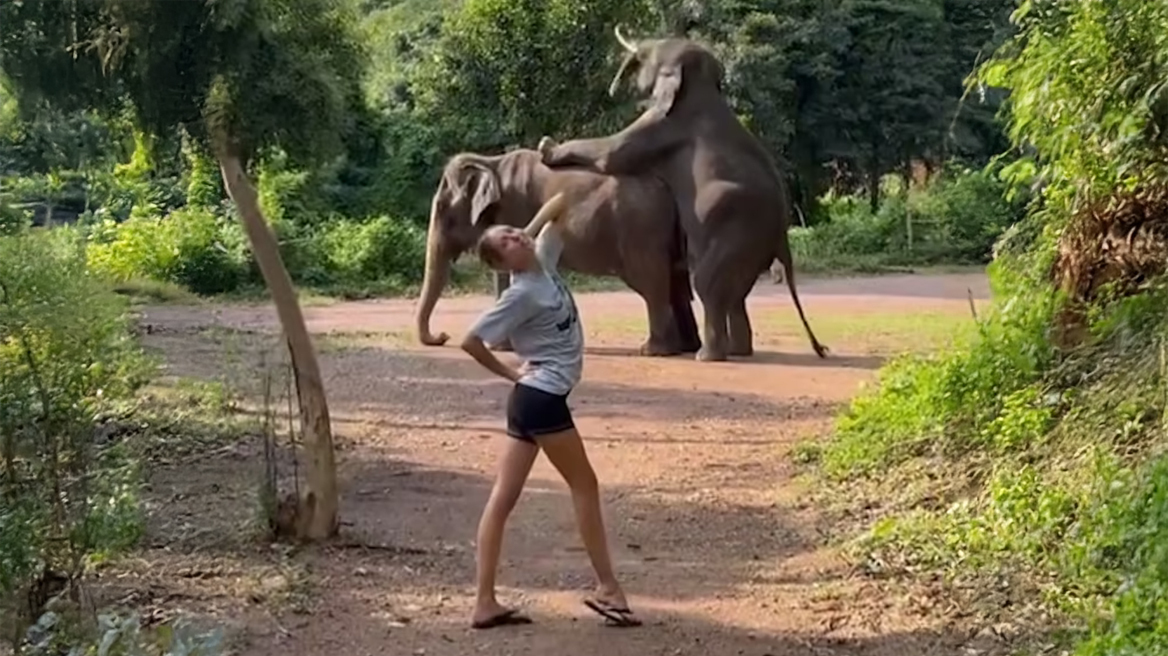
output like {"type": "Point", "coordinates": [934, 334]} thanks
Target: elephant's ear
{"type": "Point", "coordinates": [666, 88]}
{"type": "Point", "coordinates": [486, 194]}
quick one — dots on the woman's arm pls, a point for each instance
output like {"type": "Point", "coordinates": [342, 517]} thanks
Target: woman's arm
{"type": "Point", "coordinates": [483, 355]}
{"type": "Point", "coordinates": [552, 210]}
{"type": "Point", "coordinates": [512, 308]}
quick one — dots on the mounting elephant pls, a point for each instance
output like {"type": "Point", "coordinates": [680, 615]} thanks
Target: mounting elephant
{"type": "Point", "coordinates": [624, 226]}
{"type": "Point", "coordinates": [734, 205]}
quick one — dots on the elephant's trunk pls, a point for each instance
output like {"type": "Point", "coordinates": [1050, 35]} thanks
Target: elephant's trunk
{"type": "Point", "coordinates": [433, 282]}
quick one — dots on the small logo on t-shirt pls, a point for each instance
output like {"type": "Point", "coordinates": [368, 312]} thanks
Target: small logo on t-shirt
{"type": "Point", "coordinates": [565, 296]}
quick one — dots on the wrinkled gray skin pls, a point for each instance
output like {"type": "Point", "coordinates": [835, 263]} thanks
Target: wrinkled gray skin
{"type": "Point", "coordinates": [734, 205]}
{"type": "Point", "coordinates": [616, 226]}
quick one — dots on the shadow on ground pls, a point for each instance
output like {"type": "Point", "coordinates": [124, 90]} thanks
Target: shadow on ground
{"type": "Point", "coordinates": [432, 387]}
{"type": "Point", "coordinates": [399, 577]}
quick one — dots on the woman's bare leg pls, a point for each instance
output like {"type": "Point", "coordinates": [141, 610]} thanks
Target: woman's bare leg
{"type": "Point", "coordinates": [515, 463]}
{"type": "Point", "coordinates": [565, 450]}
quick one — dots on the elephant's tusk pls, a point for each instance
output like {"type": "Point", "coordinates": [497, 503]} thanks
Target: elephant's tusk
{"type": "Point", "coordinates": [620, 74]}
{"type": "Point", "coordinates": [625, 43]}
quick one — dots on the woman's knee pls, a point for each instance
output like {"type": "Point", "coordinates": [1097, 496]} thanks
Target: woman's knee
{"type": "Point", "coordinates": [504, 496]}
{"type": "Point", "coordinates": [584, 481]}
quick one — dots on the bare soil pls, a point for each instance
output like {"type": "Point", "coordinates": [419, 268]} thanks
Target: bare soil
{"type": "Point", "coordinates": [717, 548]}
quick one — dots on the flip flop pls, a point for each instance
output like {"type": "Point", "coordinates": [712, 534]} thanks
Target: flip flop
{"type": "Point", "coordinates": [613, 616]}
{"type": "Point", "coordinates": [507, 617]}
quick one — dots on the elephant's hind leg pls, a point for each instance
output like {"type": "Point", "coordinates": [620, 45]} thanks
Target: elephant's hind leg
{"type": "Point", "coordinates": [711, 290]}
{"type": "Point", "coordinates": [741, 335]}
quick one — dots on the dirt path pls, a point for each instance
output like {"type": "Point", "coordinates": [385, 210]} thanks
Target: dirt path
{"type": "Point", "coordinates": [717, 551]}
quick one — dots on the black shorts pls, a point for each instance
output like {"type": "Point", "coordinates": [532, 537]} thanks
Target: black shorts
{"type": "Point", "coordinates": [533, 412]}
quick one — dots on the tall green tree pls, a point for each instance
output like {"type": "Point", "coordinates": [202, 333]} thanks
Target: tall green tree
{"type": "Point", "coordinates": [511, 71]}
{"type": "Point", "coordinates": [242, 76]}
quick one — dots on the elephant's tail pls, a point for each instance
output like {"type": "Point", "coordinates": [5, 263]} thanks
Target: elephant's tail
{"type": "Point", "coordinates": [785, 258]}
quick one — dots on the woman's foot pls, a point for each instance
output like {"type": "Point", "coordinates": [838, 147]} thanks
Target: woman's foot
{"type": "Point", "coordinates": [488, 616]}
{"type": "Point", "coordinates": [613, 607]}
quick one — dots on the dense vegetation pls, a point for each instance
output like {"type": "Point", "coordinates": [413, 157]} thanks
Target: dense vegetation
{"type": "Point", "coordinates": [485, 76]}
{"type": "Point", "coordinates": [1030, 454]}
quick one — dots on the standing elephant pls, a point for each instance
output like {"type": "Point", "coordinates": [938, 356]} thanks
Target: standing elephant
{"type": "Point", "coordinates": [734, 205]}
{"type": "Point", "coordinates": [624, 226]}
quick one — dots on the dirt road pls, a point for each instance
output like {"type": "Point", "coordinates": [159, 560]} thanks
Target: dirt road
{"type": "Point", "coordinates": [716, 549]}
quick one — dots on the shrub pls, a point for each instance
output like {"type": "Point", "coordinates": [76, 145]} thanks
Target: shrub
{"type": "Point", "coordinates": [954, 219]}
{"type": "Point", "coordinates": [380, 249]}
{"type": "Point", "coordinates": [946, 402]}
{"type": "Point", "coordinates": [191, 246]}
{"type": "Point", "coordinates": [67, 359]}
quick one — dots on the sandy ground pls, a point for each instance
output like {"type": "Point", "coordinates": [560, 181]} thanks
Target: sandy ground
{"type": "Point", "coordinates": [716, 547]}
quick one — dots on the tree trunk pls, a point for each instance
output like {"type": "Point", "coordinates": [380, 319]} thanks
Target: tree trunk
{"type": "Point", "coordinates": [874, 191]}
{"type": "Point", "coordinates": [317, 511]}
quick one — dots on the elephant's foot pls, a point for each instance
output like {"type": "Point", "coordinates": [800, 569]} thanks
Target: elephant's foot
{"type": "Point", "coordinates": [708, 354]}
{"type": "Point", "coordinates": [657, 348]}
{"type": "Point", "coordinates": [691, 346]}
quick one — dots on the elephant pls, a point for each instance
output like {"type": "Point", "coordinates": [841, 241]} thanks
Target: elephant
{"type": "Point", "coordinates": [624, 226]}
{"type": "Point", "coordinates": [734, 205]}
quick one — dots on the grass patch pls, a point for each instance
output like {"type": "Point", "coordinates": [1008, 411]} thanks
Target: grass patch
{"type": "Point", "coordinates": [1033, 481]}
{"type": "Point", "coordinates": [153, 292]}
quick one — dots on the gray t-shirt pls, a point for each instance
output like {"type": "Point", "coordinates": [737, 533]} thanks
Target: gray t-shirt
{"type": "Point", "coordinates": [538, 313]}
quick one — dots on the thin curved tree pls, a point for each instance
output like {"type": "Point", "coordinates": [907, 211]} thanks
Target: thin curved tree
{"type": "Point", "coordinates": [242, 76]}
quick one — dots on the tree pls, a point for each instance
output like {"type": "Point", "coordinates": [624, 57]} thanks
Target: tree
{"type": "Point", "coordinates": [511, 71]}
{"type": "Point", "coordinates": [241, 76]}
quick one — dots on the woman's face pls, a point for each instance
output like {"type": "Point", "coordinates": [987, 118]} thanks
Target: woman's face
{"type": "Point", "coordinates": [514, 249]}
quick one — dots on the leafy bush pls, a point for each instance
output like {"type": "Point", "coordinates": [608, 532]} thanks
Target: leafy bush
{"type": "Point", "coordinates": [1062, 452]}
{"type": "Point", "coordinates": [951, 402]}
{"type": "Point", "coordinates": [67, 359]}
{"type": "Point", "coordinates": [192, 247]}
{"type": "Point", "coordinates": [207, 252]}
{"type": "Point", "coordinates": [954, 219]}
{"type": "Point", "coordinates": [380, 249]}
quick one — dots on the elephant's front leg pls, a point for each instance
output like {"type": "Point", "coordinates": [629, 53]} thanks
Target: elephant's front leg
{"type": "Point", "coordinates": [501, 283]}
{"type": "Point", "coordinates": [741, 336]}
{"type": "Point", "coordinates": [664, 338]}
{"type": "Point", "coordinates": [650, 280]}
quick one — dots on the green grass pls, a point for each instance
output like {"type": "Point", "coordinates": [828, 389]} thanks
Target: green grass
{"type": "Point", "coordinates": [153, 292]}
{"type": "Point", "coordinates": [864, 332]}
{"type": "Point", "coordinates": [1036, 486]}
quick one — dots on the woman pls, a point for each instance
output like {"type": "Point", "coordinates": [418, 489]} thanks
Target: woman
{"type": "Point", "coordinates": [538, 314]}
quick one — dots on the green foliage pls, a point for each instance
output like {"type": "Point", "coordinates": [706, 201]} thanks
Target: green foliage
{"type": "Point", "coordinates": [192, 247]}
{"type": "Point", "coordinates": [381, 249]}
{"type": "Point", "coordinates": [1087, 93]}
{"type": "Point", "coordinates": [1007, 456]}
{"type": "Point", "coordinates": [946, 404]}
{"type": "Point", "coordinates": [954, 219]}
{"type": "Point", "coordinates": [68, 358]}
{"type": "Point", "coordinates": [266, 72]}
{"type": "Point", "coordinates": [206, 252]}
{"type": "Point", "coordinates": [506, 68]}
